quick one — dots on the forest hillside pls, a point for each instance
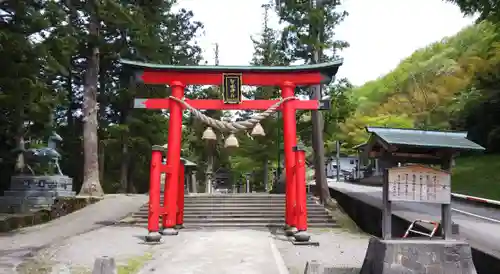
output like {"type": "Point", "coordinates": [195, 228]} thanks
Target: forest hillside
{"type": "Point", "coordinates": [452, 84]}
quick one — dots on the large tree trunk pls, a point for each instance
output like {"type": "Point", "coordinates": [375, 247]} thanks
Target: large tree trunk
{"type": "Point", "coordinates": [102, 158]}
{"type": "Point", "coordinates": [125, 186]}
{"type": "Point", "coordinates": [73, 17]}
{"type": "Point", "coordinates": [91, 184]}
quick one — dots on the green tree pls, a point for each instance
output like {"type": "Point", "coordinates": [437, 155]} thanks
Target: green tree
{"type": "Point", "coordinates": [267, 52]}
{"type": "Point", "coordinates": [26, 99]}
{"type": "Point", "coordinates": [55, 64]}
{"type": "Point", "coordinates": [450, 84]}
{"type": "Point", "coordinates": [310, 27]}
{"type": "Point", "coordinates": [305, 21]}
{"type": "Point", "coordinates": [487, 9]}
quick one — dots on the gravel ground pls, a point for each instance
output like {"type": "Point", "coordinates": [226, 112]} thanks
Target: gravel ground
{"type": "Point", "coordinates": [80, 252]}
{"type": "Point", "coordinates": [242, 251]}
{"type": "Point", "coordinates": [339, 250]}
{"type": "Point", "coordinates": [191, 252]}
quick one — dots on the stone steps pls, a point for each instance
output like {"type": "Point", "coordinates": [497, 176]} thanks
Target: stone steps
{"type": "Point", "coordinates": [238, 206]}
{"type": "Point", "coordinates": [226, 219]}
{"type": "Point", "coordinates": [235, 214]}
{"type": "Point", "coordinates": [192, 225]}
{"type": "Point", "coordinates": [241, 217]}
{"type": "Point", "coordinates": [255, 210]}
{"type": "Point", "coordinates": [236, 209]}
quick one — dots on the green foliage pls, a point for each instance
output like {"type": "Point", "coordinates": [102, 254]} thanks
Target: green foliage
{"type": "Point", "coordinates": [477, 176]}
{"type": "Point", "coordinates": [487, 9]}
{"type": "Point", "coordinates": [308, 28]}
{"type": "Point", "coordinates": [304, 23]}
{"type": "Point", "coordinates": [450, 84]}
{"type": "Point", "coordinates": [255, 154]}
{"type": "Point", "coordinates": [45, 47]}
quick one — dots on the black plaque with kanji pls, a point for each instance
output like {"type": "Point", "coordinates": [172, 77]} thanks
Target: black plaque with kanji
{"type": "Point", "coordinates": [231, 92]}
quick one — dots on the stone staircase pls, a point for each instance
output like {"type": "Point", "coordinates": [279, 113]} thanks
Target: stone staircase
{"type": "Point", "coordinates": [240, 210]}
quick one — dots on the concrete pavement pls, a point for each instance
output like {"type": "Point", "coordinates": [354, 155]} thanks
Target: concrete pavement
{"type": "Point", "coordinates": [204, 251]}
{"type": "Point", "coordinates": [340, 251]}
{"type": "Point", "coordinates": [72, 243]}
{"type": "Point", "coordinates": [191, 252]}
{"type": "Point", "coordinates": [481, 233]}
{"type": "Point", "coordinates": [218, 251]}
{"type": "Point", "coordinates": [17, 246]}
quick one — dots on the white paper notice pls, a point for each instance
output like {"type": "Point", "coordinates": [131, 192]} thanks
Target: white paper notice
{"type": "Point", "coordinates": [416, 183]}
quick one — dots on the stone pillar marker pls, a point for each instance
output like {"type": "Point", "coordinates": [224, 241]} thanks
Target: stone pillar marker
{"type": "Point", "coordinates": [194, 183]}
{"type": "Point", "coordinates": [313, 267]}
{"type": "Point", "coordinates": [104, 265]}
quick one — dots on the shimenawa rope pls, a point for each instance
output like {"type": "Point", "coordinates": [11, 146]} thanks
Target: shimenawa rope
{"type": "Point", "coordinates": [233, 127]}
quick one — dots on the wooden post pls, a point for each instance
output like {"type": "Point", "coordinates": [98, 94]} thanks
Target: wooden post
{"type": "Point", "coordinates": [446, 222]}
{"type": "Point", "coordinates": [179, 222]}
{"type": "Point", "coordinates": [154, 190]}
{"type": "Point", "coordinates": [387, 208]}
{"type": "Point", "coordinates": [300, 192]}
{"type": "Point", "coordinates": [289, 140]}
{"type": "Point", "coordinates": [173, 161]}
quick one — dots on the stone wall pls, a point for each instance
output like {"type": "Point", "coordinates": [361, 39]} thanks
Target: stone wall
{"type": "Point", "coordinates": [31, 193]}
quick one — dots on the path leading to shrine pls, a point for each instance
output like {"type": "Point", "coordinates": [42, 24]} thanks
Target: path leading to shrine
{"type": "Point", "coordinates": [72, 243]}
{"type": "Point", "coordinates": [208, 251]}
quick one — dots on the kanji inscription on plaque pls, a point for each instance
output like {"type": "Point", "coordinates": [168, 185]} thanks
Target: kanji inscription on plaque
{"type": "Point", "coordinates": [417, 183]}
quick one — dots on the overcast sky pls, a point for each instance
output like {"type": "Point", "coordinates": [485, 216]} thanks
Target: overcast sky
{"type": "Point", "coordinates": [381, 33]}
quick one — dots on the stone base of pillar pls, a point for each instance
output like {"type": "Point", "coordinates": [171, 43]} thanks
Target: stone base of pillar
{"type": "Point", "coordinates": [169, 231]}
{"type": "Point", "coordinates": [302, 236]}
{"type": "Point", "coordinates": [290, 231]}
{"type": "Point", "coordinates": [153, 237]}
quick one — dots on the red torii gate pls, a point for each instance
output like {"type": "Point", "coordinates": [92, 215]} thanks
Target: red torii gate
{"type": "Point", "coordinates": [231, 78]}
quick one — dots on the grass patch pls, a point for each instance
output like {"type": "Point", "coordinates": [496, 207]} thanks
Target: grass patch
{"type": "Point", "coordinates": [135, 264]}
{"type": "Point", "coordinates": [34, 266]}
{"type": "Point", "coordinates": [477, 176]}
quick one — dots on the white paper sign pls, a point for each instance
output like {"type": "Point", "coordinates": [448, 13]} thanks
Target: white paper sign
{"type": "Point", "coordinates": [416, 183]}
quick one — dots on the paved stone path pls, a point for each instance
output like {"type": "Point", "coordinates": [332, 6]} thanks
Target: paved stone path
{"type": "Point", "coordinates": [341, 251]}
{"type": "Point", "coordinates": [16, 246]}
{"type": "Point", "coordinates": [217, 252]}
{"type": "Point", "coordinates": [244, 251]}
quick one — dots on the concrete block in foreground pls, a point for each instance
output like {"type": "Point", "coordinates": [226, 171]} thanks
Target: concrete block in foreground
{"type": "Point", "coordinates": [414, 256]}
{"type": "Point", "coordinates": [104, 265]}
{"type": "Point", "coordinates": [313, 267]}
